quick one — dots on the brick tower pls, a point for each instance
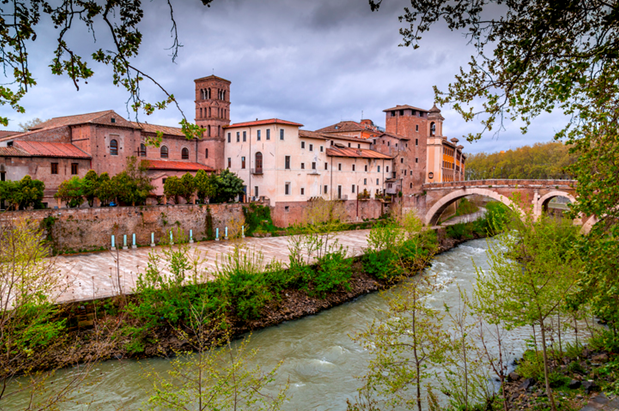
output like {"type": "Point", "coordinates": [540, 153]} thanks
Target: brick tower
{"type": "Point", "coordinates": [212, 113]}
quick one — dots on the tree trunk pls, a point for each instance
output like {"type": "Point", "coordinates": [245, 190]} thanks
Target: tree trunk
{"type": "Point", "coordinates": [553, 407]}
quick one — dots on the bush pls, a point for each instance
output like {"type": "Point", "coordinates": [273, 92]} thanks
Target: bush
{"type": "Point", "coordinates": [258, 219]}
{"type": "Point", "coordinates": [460, 231]}
{"type": "Point", "coordinates": [531, 365]}
{"type": "Point", "coordinates": [333, 271]}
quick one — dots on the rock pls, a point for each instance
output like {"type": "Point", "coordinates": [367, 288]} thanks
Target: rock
{"type": "Point", "coordinates": [573, 384]}
{"type": "Point", "coordinates": [600, 358]}
{"type": "Point", "coordinates": [117, 356]}
{"type": "Point", "coordinates": [590, 386]}
{"type": "Point", "coordinates": [528, 383]}
{"type": "Point", "coordinates": [513, 376]}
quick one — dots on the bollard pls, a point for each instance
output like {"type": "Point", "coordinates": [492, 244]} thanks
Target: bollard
{"type": "Point", "coordinates": [124, 241]}
{"type": "Point", "coordinates": [113, 248]}
{"type": "Point", "coordinates": [242, 231]}
{"type": "Point", "coordinates": [152, 239]}
{"type": "Point", "coordinates": [134, 245]}
{"type": "Point", "coordinates": [226, 236]}
{"type": "Point", "coordinates": [216, 234]}
{"type": "Point", "coordinates": [171, 238]}
{"type": "Point", "coordinates": [190, 236]}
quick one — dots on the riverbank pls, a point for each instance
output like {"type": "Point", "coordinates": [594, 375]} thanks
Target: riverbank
{"type": "Point", "coordinates": [100, 330]}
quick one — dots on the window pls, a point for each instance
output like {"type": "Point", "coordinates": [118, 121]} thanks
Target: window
{"type": "Point", "coordinates": [302, 191]}
{"type": "Point", "coordinates": [432, 128]}
{"type": "Point", "coordinates": [244, 136]}
{"type": "Point", "coordinates": [416, 141]}
{"type": "Point", "coordinates": [256, 191]}
{"type": "Point", "coordinates": [353, 189]}
{"type": "Point", "coordinates": [388, 143]}
{"type": "Point", "coordinates": [365, 181]}
{"type": "Point", "coordinates": [339, 166]}
{"type": "Point", "coordinates": [396, 144]}
{"type": "Point", "coordinates": [228, 137]}
{"type": "Point", "coordinates": [321, 149]}
{"type": "Point", "coordinates": [268, 134]}
{"type": "Point", "coordinates": [113, 120]}
{"type": "Point", "coordinates": [287, 208]}
{"type": "Point", "coordinates": [378, 169]}
{"type": "Point", "coordinates": [113, 147]}
{"type": "Point", "coordinates": [401, 160]}
{"type": "Point", "coordinates": [411, 185]}
{"type": "Point", "coordinates": [302, 166]}
{"type": "Point", "coordinates": [206, 153]}
{"type": "Point", "coordinates": [416, 159]}
{"type": "Point", "coordinates": [353, 167]}
{"type": "Point", "coordinates": [339, 192]}
{"type": "Point", "coordinates": [302, 144]}
{"type": "Point", "coordinates": [287, 189]}
{"type": "Point", "coordinates": [326, 166]}
{"type": "Point", "coordinates": [258, 162]}
{"type": "Point", "coordinates": [242, 162]}
{"type": "Point", "coordinates": [417, 127]}
{"type": "Point", "coordinates": [258, 135]}
{"type": "Point", "coordinates": [287, 165]}
{"type": "Point", "coordinates": [404, 172]}
{"type": "Point", "coordinates": [142, 151]}
{"type": "Point", "coordinates": [54, 168]}
{"type": "Point", "coordinates": [238, 136]}
{"type": "Point", "coordinates": [377, 183]}
{"type": "Point", "coordinates": [326, 189]}
{"type": "Point", "coordinates": [229, 162]}
{"type": "Point", "coordinates": [164, 152]}
{"type": "Point", "coordinates": [281, 133]}
{"type": "Point", "coordinates": [366, 168]}
{"type": "Point", "coordinates": [313, 165]}
{"type": "Point", "coordinates": [311, 147]}
{"type": "Point", "coordinates": [2, 176]}
{"type": "Point", "coordinates": [74, 168]}
{"type": "Point", "coordinates": [185, 153]}
{"type": "Point", "coordinates": [348, 144]}
{"type": "Point", "coordinates": [358, 145]}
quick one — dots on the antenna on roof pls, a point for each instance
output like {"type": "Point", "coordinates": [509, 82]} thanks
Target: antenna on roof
{"type": "Point", "coordinates": [361, 114]}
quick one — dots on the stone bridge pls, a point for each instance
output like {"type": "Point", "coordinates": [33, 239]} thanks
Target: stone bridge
{"type": "Point", "coordinates": [536, 193]}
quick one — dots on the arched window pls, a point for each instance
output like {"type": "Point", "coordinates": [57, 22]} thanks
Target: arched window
{"type": "Point", "coordinates": [113, 148]}
{"type": "Point", "coordinates": [185, 153]}
{"type": "Point", "coordinates": [164, 152]}
{"type": "Point", "coordinates": [258, 162]}
{"type": "Point", "coordinates": [206, 153]}
{"type": "Point", "coordinates": [142, 150]}
{"type": "Point", "coordinates": [432, 129]}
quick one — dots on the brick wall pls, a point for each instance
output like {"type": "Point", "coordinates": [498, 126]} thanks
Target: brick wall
{"type": "Point", "coordinates": [288, 213]}
{"type": "Point", "coordinates": [91, 228]}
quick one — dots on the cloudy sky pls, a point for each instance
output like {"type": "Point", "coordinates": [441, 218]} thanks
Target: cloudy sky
{"type": "Point", "coordinates": [314, 62]}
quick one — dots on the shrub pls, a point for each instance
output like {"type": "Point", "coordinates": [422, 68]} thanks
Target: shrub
{"type": "Point", "coordinates": [258, 219]}
{"type": "Point", "coordinates": [333, 271]}
{"type": "Point", "coordinates": [460, 231]}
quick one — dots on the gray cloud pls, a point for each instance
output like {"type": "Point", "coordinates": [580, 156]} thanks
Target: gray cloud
{"type": "Point", "coordinates": [315, 62]}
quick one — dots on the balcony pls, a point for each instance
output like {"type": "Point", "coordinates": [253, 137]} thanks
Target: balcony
{"type": "Point", "coordinates": [256, 171]}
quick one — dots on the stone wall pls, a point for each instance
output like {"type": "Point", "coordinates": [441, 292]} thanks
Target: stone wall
{"type": "Point", "coordinates": [87, 229]}
{"type": "Point", "coordinates": [285, 214]}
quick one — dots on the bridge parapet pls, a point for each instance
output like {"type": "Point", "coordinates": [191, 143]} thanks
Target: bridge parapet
{"type": "Point", "coordinates": [501, 183]}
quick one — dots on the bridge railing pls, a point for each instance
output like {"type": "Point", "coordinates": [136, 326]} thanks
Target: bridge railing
{"type": "Point", "coordinates": [502, 182]}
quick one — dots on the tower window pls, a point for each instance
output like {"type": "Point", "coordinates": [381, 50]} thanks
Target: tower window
{"type": "Point", "coordinates": [113, 148]}
{"type": "Point", "coordinates": [164, 152]}
{"type": "Point", "coordinates": [185, 153]}
{"type": "Point", "coordinates": [416, 141]}
{"type": "Point", "coordinates": [416, 127]}
{"type": "Point", "coordinates": [416, 160]}
{"type": "Point", "coordinates": [432, 129]}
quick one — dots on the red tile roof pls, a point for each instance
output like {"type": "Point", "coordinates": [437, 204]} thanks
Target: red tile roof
{"type": "Point", "coordinates": [12, 152]}
{"type": "Point", "coordinates": [212, 76]}
{"type": "Point", "coordinates": [40, 149]}
{"type": "Point", "coordinates": [264, 122]}
{"type": "Point", "coordinates": [153, 128]}
{"type": "Point", "coordinates": [394, 136]}
{"type": "Point", "coordinates": [7, 133]}
{"type": "Point", "coordinates": [176, 165]}
{"type": "Point", "coordinates": [356, 153]}
{"type": "Point", "coordinates": [404, 107]}
{"type": "Point", "coordinates": [99, 117]}
{"type": "Point", "coordinates": [346, 127]}
{"type": "Point", "coordinates": [312, 134]}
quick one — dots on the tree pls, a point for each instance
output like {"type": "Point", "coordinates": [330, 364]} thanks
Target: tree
{"type": "Point", "coordinates": [537, 57]}
{"type": "Point", "coordinates": [106, 190]}
{"type": "Point", "coordinates": [90, 184]}
{"type": "Point", "coordinates": [172, 188]}
{"type": "Point", "coordinates": [188, 187]}
{"type": "Point", "coordinates": [227, 186]}
{"type": "Point", "coordinates": [120, 19]}
{"type": "Point", "coordinates": [133, 186]}
{"type": "Point", "coordinates": [532, 273]}
{"type": "Point", "coordinates": [30, 124]}
{"type": "Point", "coordinates": [71, 192]}
{"type": "Point", "coordinates": [204, 186]}
{"type": "Point", "coordinates": [22, 194]}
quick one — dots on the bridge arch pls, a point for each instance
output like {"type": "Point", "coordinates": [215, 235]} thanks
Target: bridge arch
{"type": "Point", "coordinates": [432, 216]}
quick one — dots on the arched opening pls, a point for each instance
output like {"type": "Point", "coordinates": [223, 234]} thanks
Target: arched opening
{"type": "Point", "coordinates": [258, 162]}
{"type": "Point", "coordinates": [554, 202]}
{"type": "Point", "coordinates": [164, 152]}
{"type": "Point", "coordinates": [113, 148]}
{"type": "Point", "coordinates": [432, 128]}
{"type": "Point", "coordinates": [185, 153]}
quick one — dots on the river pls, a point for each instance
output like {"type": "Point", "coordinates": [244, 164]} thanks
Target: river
{"type": "Point", "coordinates": [319, 358]}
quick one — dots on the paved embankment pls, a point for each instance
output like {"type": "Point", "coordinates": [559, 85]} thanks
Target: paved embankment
{"type": "Point", "coordinates": [97, 275]}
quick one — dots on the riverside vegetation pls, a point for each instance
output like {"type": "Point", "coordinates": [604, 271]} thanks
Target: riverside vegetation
{"type": "Point", "coordinates": [189, 311]}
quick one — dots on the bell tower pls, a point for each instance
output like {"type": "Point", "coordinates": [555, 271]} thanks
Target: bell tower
{"type": "Point", "coordinates": [213, 114]}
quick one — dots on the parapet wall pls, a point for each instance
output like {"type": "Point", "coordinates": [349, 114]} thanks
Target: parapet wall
{"type": "Point", "coordinates": [87, 229]}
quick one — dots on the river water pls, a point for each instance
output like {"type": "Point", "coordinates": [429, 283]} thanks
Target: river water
{"type": "Point", "coordinates": [320, 360]}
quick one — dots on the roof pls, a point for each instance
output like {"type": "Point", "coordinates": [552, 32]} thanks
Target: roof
{"type": "Point", "coordinates": [176, 165]}
{"type": "Point", "coordinates": [356, 153]}
{"type": "Point", "coordinates": [392, 135]}
{"type": "Point", "coordinates": [154, 128]}
{"type": "Point", "coordinates": [212, 77]}
{"type": "Point", "coordinates": [7, 133]}
{"type": "Point", "coordinates": [99, 117]}
{"type": "Point", "coordinates": [404, 107]}
{"type": "Point", "coordinates": [264, 122]}
{"type": "Point", "coordinates": [347, 126]}
{"type": "Point", "coordinates": [312, 134]}
{"type": "Point", "coordinates": [350, 138]}
{"type": "Point", "coordinates": [13, 152]}
{"type": "Point", "coordinates": [40, 149]}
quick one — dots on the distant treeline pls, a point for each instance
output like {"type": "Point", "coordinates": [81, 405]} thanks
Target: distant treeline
{"type": "Point", "coordinates": [542, 161]}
